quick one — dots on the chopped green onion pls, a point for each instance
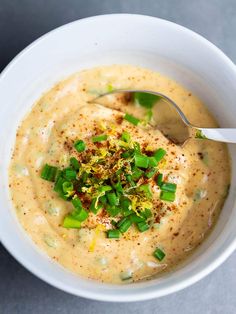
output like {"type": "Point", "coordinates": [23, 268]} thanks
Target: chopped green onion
{"type": "Point", "coordinates": [69, 174]}
{"type": "Point", "coordinates": [79, 146]}
{"type": "Point", "coordinates": [146, 100]}
{"type": "Point", "coordinates": [99, 138]}
{"type": "Point", "coordinates": [113, 234]}
{"type": "Point", "coordinates": [159, 179]}
{"type": "Point", "coordinates": [148, 115]}
{"type": "Point", "coordinates": [80, 214]}
{"type": "Point", "coordinates": [113, 222]}
{"type": "Point", "coordinates": [58, 184]}
{"type": "Point", "coordinates": [135, 218]}
{"type": "Point", "coordinates": [127, 154]}
{"type": "Point", "coordinates": [125, 204]}
{"type": "Point", "coordinates": [131, 119]}
{"type": "Point", "coordinates": [159, 154]}
{"type": "Point", "coordinates": [103, 199]}
{"type": "Point", "coordinates": [146, 189]}
{"type": "Point", "coordinates": [112, 199]}
{"type": "Point", "coordinates": [74, 163]}
{"type": "Point", "coordinates": [137, 148]}
{"type": "Point", "coordinates": [67, 186]}
{"type": "Point", "coordinates": [126, 275]}
{"type": "Point", "coordinates": [118, 187]}
{"type": "Point", "coordinates": [124, 224]}
{"type": "Point", "coordinates": [84, 176]}
{"type": "Point", "coordinates": [150, 172]}
{"type": "Point", "coordinates": [141, 161]}
{"type": "Point", "coordinates": [129, 179]}
{"type": "Point", "coordinates": [59, 174]}
{"type": "Point", "coordinates": [76, 202]}
{"type": "Point", "coordinates": [71, 222]}
{"type": "Point", "coordinates": [104, 188]}
{"type": "Point", "coordinates": [167, 196]}
{"type": "Point", "coordinates": [94, 209]}
{"type": "Point", "coordinates": [118, 172]}
{"type": "Point", "coordinates": [136, 173]}
{"type": "Point", "coordinates": [147, 213]}
{"type": "Point", "coordinates": [113, 210]}
{"type": "Point", "coordinates": [127, 213]}
{"type": "Point", "coordinates": [169, 187]}
{"type": "Point", "coordinates": [142, 226]}
{"type": "Point", "coordinates": [200, 135]}
{"type": "Point", "coordinates": [49, 173]}
{"type": "Point", "coordinates": [125, 136]}
{"type": "Point", "coordinates": [152, 162]}
{"type": "Point", "coordinates": [159, 254]}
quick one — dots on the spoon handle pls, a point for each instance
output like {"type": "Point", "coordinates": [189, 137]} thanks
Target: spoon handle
{"type": "Point", "coordinates": [217, 134]}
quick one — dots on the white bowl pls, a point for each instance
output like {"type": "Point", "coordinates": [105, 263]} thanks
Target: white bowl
{"type": "Point", "coordinates": [125, 39]}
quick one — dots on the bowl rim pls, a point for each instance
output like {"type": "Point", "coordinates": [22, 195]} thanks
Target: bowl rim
{"type": "Point", "coordinates": [136, 296]}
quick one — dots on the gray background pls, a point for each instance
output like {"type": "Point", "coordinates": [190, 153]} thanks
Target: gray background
{"type": "Point", "coordinates": [23, 21]}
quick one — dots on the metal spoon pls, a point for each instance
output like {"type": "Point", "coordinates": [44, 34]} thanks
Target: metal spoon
{"type": "Point", "coordinates": [169, 118]}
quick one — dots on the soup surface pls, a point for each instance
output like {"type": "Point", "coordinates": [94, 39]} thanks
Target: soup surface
{"type": "Point", "coordinates": [196, 176]}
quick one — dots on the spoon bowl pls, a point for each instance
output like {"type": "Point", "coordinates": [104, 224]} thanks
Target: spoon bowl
{"type": "Point", "coordinates": [168, 117]}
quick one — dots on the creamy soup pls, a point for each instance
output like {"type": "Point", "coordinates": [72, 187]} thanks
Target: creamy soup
{"type": "Point", "coordinates": [120, 202]}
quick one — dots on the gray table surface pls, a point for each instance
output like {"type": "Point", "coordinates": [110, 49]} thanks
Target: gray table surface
{"type": "Point", "coordinates": [23, 21]}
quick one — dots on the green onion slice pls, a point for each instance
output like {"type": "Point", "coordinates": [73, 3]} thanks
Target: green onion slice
{"type": "Point", "coordinates": [159, 179]}
{"type": "Point", "coordinates": [147, 213]}
{"type": "Point", "coordinates": [104, 188]}
{"type": "Point", "coordinates": [69, 174]}
{"type": "Point", "coordinates": [135, 218]}
{"type": "Point", "coordinates": [159, 154]}
{"type": "Point", "coordinates": [145, 99]}
{"type": "Point", "coordinates": [118, 187]}
{"type": "Point", "coordinates": [159, 254]}
{"type": "Point", "coordinates": [76, 202]}
{"type": "Point", "coordinates": [67, 186]}
{"type": "Point", "coordinates": [169, 187]}
{"type": "Point", "coordinates": [167, 196]}
{"type": "Point", "coordinates": [94, 206]}
{"type": "Point", "coordinates": [152, 162]}
{"type": "Point", "coordinates": [125, 136]}
{"type": "Point", "coordinates": [150, 172]}
{"type": "Point", "coordinates": [124, 224]}
{"type": "Point", "coordinates": [80, 214]}
{"type": "Point", "coordinates": [125, 204]}
{"type": "Point", "coordinates": [74, 163]}
{"type": "Point", "coordinates": [141, 161]}
{"type": "Point", "coordinates": [80, 146]}
{"type": "Point", "coordinates": [131, 119]}
{"type": "Point", "coordinates": [113, 234]}
{"type": "Point", "coordinates": [136, 173]}
{"type": "Point", "coordinates": [113, 210]}
{"type": "Point", "coordinates": [142, 226]}
{"type": "Point", "coordinates": [49, 173]}
{"type": "Point", "coordinates": [146, 189]}
{"type": "Point", "coordinates": [112, 198]}
{"type": "Point", "coordinates": [71, 222]}
{"type": "Point", "coordinates": [99, 138]}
